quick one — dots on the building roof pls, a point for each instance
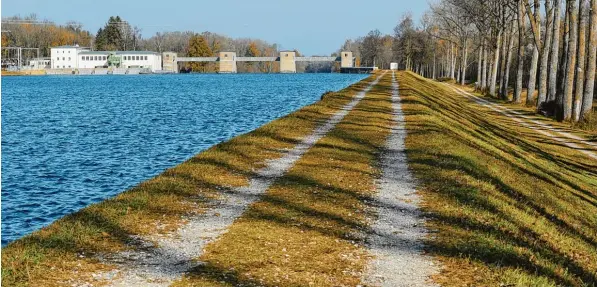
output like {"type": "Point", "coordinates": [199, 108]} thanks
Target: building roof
{"type": "Point", "coordinates": [118, 53]}
{"type": "Point", "coordinates": [70, 46]}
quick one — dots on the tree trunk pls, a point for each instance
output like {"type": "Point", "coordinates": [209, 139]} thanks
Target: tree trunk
{"type": "Point", "coordinates": [433, 73]}
{"type": "Point", "coordinates": [520, 69]}
{"type": "Point", "coordinates": [571, 62]}
{"type": "Point", "coordinates": [504, 52]}
{"type": "Point", "coordinates": [555, 49]}
{"type": "Point", "coordinates": [580, 62]}
{"type": "Point", "coordinates": [452, 62]}
{"type": "Point", "coordinates": [484, 68]}
{"type": "Point", "coordinates": [563, 72]}
{"type": "Point", "coordinates": [546, 47]}
{"type": "Point", "coordinates": [592, 63]}
{"type": "Point", "coordinates": [464, 60]}
{"type": "Point", "coordinates": [508, 62]}
{"type": "Point", "coordinates": [479, 69]}
{"type": "Point", "coordinates": [535, 61]}
{"type": "Point", "coordinates": [495, 64]}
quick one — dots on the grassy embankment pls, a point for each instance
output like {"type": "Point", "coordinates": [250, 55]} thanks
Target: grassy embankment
{"type": "Point", "coordinates": [306, 230]}
{"type": "Point", "coordinates": [508, 205]}
{"type": "Point", "coordinates": [64, 250]}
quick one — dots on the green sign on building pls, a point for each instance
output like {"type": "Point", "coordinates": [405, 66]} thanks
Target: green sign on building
{"type": "Point", "coordinates": [114, 60]}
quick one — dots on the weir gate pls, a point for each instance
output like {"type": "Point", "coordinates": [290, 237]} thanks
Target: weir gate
{"type": "Point", "coordinates": [227, 60]}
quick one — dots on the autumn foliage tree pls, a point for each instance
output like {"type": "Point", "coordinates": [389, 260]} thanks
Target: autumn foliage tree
{"type": "Point", "coordinates": [32, 32]}
{"type": "Point", "coordinates": [198, 47]}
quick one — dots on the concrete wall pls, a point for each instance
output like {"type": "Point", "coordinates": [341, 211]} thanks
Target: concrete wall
{"type": "Point", "coordinates": [346, 60]}
{"type": "Point", "coordinates": [169, 62]}
{"type": "Point", "coordinates": [287, 62]}
{"type": "Point", "coordinates": [227, 62]}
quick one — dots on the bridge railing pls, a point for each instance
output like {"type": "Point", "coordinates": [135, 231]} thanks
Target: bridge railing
{"type": "Point", "coordinates": [197, 59]}
{"type": "Point", "coordinates": [317, 59]}
{"type": "Point", "coordinates": [258, 59]}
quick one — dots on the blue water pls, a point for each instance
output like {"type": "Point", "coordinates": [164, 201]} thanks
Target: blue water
{"type": "Point", "coordinates": [69, 141]}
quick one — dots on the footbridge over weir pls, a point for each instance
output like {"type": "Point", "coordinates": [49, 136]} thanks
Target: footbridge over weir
{"type": "Point", "coordinates": [227, 60]}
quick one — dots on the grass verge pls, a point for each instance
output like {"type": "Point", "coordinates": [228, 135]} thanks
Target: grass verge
{"type": "Point", "coordinates": [62, 252]}
{"type": "Point", "coordinates": [508, 206]}
{"type": "Point", "coordinates": [307, 228]}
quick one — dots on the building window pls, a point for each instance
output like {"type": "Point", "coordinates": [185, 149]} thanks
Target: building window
{"type": "Point", "coordinates": [137, 58]}
{"type": "Point", "coordinates": [62, 58]}
{"type": "Point", "coordinates": [69, 66]}
{"type": "Point", "coordinates": [145, 58]}
{"type": "Point", "coordinates": [69, 58]}
{"type": "Point", "coordinates": [58, 59]}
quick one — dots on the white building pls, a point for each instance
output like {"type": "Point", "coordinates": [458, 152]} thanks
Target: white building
{"type": "Point", "coordinates": [393, 66]}
{"type": "Point", "coordinates": [39, 63]}
{"type": "Point", "coordinates": [93, 59]}
{"type": "Point", "coordinates": [141, 59]}
{"type": "Point", "coordinates": [65, 57]}
{"type": "Point", "coordinates": [75, 57]}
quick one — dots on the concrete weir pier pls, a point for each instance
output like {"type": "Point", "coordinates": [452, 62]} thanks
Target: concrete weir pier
{"type": "Point", "coordinates": [287, 62]}
{"type": "Point", "coordinates": [227, 60]}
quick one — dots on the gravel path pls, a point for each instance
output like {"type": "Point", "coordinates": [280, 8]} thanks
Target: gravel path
{"type": "Point", "coordinates": [567, 139]}
{"type": "Point", "coordinates": [396, 237]}
{"type": "Point", "coordinates": [162, 264]}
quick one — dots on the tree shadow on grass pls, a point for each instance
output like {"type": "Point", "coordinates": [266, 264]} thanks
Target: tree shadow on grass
{"type": "Point", "coordinates": [463, 234]}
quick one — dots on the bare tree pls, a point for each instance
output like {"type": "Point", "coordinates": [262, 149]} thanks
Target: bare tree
{"type": "Point", "coordinates": [535, 20]}
{"type": "Point", "coordinates": [521, 46]}
{"type": "Point", "coordinates": [554, 55]}
{"type": "Point", "coordinates": [592, 62]}
{"type": "Point", "coordinates": [545, 52]}
{"type": "Point", "coordinates": [571, 59]}
{"type": "Point", "coordinates": [580, 61]}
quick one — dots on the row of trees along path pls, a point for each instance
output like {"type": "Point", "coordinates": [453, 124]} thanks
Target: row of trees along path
{"type": "Point", "coordinates": [548, 47]}
{"type": "Point", "coordinates": [560, 77]}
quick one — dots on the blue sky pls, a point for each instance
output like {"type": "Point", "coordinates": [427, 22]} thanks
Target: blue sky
{"type": "Point", "coordinates": [314, 27]}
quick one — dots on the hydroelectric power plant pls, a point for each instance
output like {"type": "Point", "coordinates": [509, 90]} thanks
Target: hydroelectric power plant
{"type": "Point", "coordinates": [73, 59]}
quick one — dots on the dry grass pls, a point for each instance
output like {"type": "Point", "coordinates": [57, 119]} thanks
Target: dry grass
{"type": "Point", "coordinates": [510, 206]}
{"type": "Point", "coordinates": [306, 230]}
{"type": "Point", "coordinates": [63, 251]}
{"type": "Point", "coordinates": [23, 73]}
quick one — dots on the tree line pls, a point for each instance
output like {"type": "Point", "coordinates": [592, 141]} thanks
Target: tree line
{"type": "Point", "coordinates": [118, 35]}
{"type": "Point", "coordinates": [30, 31]}
{"type": "Point", "coordinates": [538, 53]}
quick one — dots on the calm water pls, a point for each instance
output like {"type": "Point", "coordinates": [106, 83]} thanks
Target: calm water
{"type": "Point", "coordinates": [69, 141]}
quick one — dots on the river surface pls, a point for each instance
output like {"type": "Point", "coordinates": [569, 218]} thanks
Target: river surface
{"type": "Point", "coordinates": [69, 141]}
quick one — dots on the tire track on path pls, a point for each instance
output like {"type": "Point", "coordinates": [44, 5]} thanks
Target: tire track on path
{"type": "Point", "coordinates": [397, 233]}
